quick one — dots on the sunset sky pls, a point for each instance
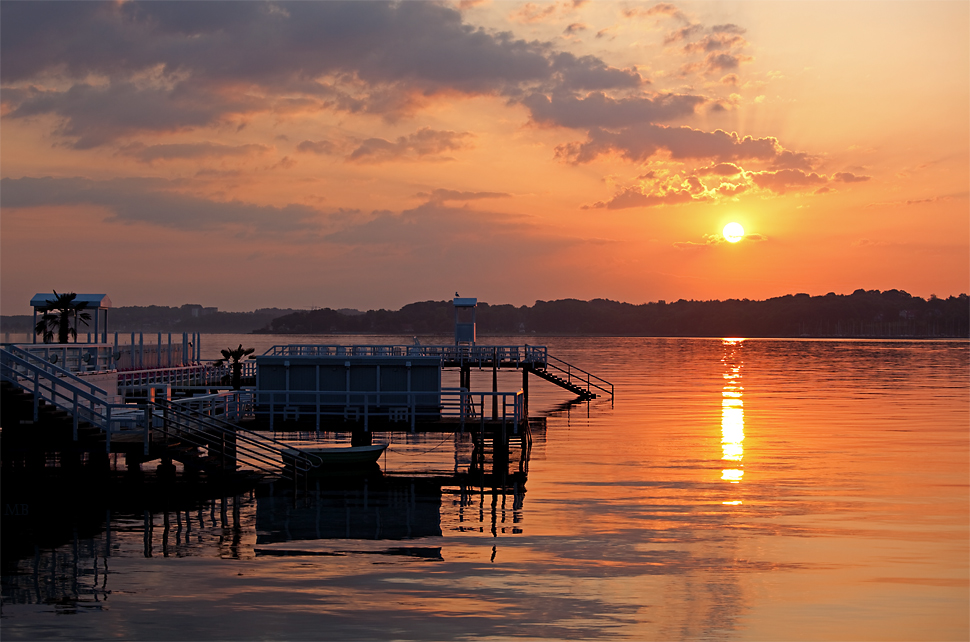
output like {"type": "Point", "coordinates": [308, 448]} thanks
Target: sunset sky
{"type": "Point", "coordinates": [370, 154]}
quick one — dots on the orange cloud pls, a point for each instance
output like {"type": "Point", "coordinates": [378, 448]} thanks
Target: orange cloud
{"type": "Point", "coordinates": [152, 153]}
{"type": "Point", "coordinates": [423, 143]}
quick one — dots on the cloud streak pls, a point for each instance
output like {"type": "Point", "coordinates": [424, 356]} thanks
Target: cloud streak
{"type": "Point", "coordinates": [155, 202]}
{"type": "Point", "coordinates": [423, 143]}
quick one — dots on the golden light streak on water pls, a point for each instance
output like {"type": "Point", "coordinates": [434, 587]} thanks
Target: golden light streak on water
{"type": "Point", "coordinates": [732, 412]}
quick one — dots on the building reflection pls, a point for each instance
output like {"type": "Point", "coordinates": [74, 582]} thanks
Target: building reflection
{"type": "Point", "coordinates": [59, 551]}
{"type": "Point", "coordinates": [483, 493]}
{"type": "Point", "coordinates": [732, 413]}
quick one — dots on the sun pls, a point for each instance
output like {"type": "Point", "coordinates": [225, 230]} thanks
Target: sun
{"type": "Point", "coordinates": [733, 232]}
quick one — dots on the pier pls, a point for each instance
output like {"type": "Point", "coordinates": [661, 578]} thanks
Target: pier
{"type": "Point", "coordinates": [88, 401]}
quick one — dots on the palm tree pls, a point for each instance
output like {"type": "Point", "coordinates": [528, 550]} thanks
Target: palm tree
{"type": "Point", "coordinates": [57, 316]}
{"type": "Point", "coordinates": [235, 355]}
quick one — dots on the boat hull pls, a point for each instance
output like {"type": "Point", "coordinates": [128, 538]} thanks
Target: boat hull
{"type": "Point", "coordinates": [337, 457]}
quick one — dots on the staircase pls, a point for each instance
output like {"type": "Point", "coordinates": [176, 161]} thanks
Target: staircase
{"type": "Point", "coordinates": [583, 384]}
{"type": "Point", "coordinates": [46, 408]}
{"type": "Point", "coordinates": [577, 390]}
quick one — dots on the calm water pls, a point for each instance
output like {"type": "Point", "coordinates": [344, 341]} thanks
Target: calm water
{"type": "Point", "coordinates": [757, 489]}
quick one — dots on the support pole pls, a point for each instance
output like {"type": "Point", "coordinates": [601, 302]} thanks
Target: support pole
{"type": "Point", "coordinates": [525, 392]}
{"type": "Point", "coordinates": [494, 384]}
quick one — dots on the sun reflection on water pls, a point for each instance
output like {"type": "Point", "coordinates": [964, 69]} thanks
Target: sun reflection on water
{"type": "Point", "coordinates": [732, 414]}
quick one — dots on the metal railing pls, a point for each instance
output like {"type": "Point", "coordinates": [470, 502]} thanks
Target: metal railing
{"type": "Point", "coordinates": [204, 421]}
{"type": "Point", "coordinates": [63, 390]}
{"type": "Point", "coordinates": [73, 357]}
{"type": "Point", "coordinates": [233, 405]}
{"type": "Point", "coordinates": [237, 447]}
{"type": "Point", "coordinates": [179, 376]}
{"type": "Point", "coordinates": [578, 377]}
{"type": "Point", "coordinates": [512, 355]}
{"type": "Point", "coordinates": [395, 406]}
{"type": "Point", "coordinates": [136, 355]}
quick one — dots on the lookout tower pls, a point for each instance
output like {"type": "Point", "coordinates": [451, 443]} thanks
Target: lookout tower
{"type": "Point", "coordinates": [465, 320]}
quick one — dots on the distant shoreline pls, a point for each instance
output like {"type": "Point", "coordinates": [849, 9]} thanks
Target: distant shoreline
{"type": "Point", "coordinates": [864, 314]}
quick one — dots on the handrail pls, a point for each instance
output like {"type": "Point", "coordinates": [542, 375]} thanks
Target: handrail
{"type": "Point", "coordinates": [27, 357]}
{"type": "Point", "coordinates": [70, 393]}
{"type": "Point", "coordinates": [590, 377]}
{"type": "Point", "coordinates": [180, 374]}
{"type": "Point", "coordinates": [480, 353]}
{"type": "Point", "coordinates": [259, 448]}
{"type": "Point", "coordinates": [396, 405]}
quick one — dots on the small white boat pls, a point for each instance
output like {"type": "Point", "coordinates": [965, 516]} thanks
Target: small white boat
{"type": "Point", "coordinates": [337, 456]}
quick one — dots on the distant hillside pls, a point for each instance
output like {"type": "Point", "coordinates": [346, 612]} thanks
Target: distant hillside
{"type": "Point", "coordinates": [871, 313]}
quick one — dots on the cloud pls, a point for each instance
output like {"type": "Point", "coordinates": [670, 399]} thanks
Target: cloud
{"type": "Point", "coordinates": [317, 147]}
{"type": "Point", "coordinates": [95, 115]}
{"type": "Point", "coordinates": [682, 34]}
{"type": "Point", "coordinates": [531, 13]}
{"type": "Point", "coordinates": [445, 195]}
{"type": "Point", "coordinates": [787, 159]}
{"type": "Point", "coordinates": [713, 240]}
{"type": "Point", "coordinates": [434, 227]}
{"type": "Point", "coordinates": [709, 240]}
{"type": "Point", "coordinates": [422, 143]}
{"type": "Point", "coordinates": [720, 169]}
{"type": "Point", "coordinates": [640, 142]}
{"type": "Point", "coordinates": [589, 73]}
{"type": "Point", "coordinates": [155, 202]}
{"type": "Point", "coordinates": [785, 179]}
{"type": "Point", "coordinates": [635, 197]}
{"type": "Point", "coordinates": [728, 28]}
{"type": "Point", "coordinates": [596, 109]}
{"type": "Point", "coordinates": [575, 27]}
{"type": "Point", "coordinates": [715, 63]}
{"type": "Point", "coordinates": [170, 67]}
{"type": "Point", "coordinates": [659, 9]}
{"type": "Point", "coordinates": [655, 189]}
{"type": "Point", "coordinates": [151, 153]}
{"type": "Point", "coordinates": [846, 177]}
{"type": "Point", "coordinates": [109, 73]}
{"type": "Point", "coordinates": [917, 201]}
{"type": "Point", "coordinates": [715, 42]}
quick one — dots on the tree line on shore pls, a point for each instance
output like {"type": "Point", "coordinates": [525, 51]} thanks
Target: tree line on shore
{"type": "Point", "coordinates": [864, 313]}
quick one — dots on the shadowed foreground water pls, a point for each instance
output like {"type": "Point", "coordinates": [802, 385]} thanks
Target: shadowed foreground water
{"type": "Point", "coordinates": [757, 489]}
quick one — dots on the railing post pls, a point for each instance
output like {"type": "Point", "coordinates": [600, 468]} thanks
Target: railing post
{"type": "Point", "coordinates": [148, 423]}
{"type": "Point", "coordinates": [75, 415]}
{"type": "Point", "coordinates": [36, 395]}
{"type": "Point", "coordinates": [107, 429]}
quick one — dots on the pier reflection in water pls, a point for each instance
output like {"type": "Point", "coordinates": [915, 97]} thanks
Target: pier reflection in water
{"type": "Point", "coordinates": [479, 492]}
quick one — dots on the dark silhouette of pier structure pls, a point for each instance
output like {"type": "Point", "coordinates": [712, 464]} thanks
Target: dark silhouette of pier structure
{"type": "Point", "coordinates": [75, 407]}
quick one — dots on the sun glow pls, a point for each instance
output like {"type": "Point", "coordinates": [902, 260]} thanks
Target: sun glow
{"type": "Point", "coordinates": [733, 232]}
